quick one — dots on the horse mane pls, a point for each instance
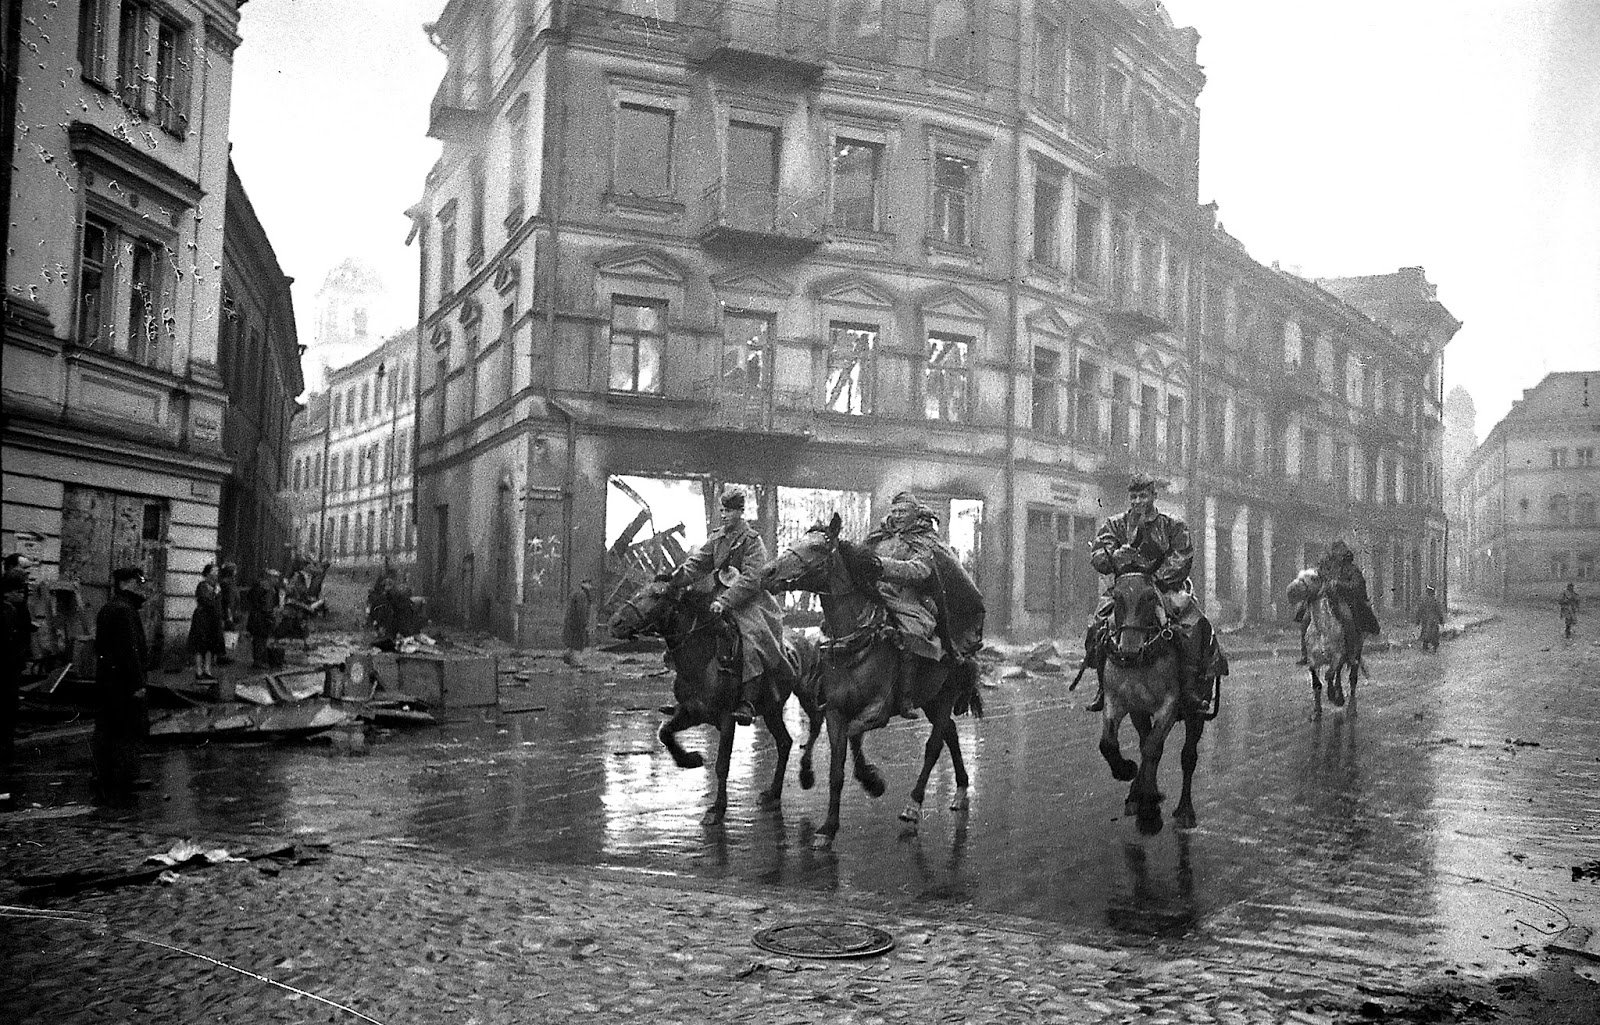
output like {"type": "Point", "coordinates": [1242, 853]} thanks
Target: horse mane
{"type": "Point", "coordinates": [854, 555]}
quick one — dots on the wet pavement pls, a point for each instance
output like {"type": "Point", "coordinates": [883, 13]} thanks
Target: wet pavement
{"type": "Point", "coordinates": [1430, 828]}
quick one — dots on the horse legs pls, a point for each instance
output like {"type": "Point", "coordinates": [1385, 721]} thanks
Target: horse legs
{"type": "Point", "coordinates": [867, 774]}
{"type": "Point", "coordinates": [938, 717]}
{"type": "Point", "coordinates": [668, 734]}
{"type": "Point", "coordinates": [1142, 724]}
{"type": "Point", "coordinates": [1152, 743]}
{"type": "Point", "coordinates": [783, 742]}
{"type": "Point", "coordinates": [1111, 750]}
{"type": "Point", "coordinates": [719, 808]}
{"type": "Point", "coordinates": [1193, 729]}
{"type": "Point", "coordinates": [1316, 693]}
{"type": "Point", "coordinates": [808, 778]}
{"type": "Point", "coordinates": [837, 742]}
{"type": "Point", "coordinates": [1336, 682]}
{"type": "Point", "coordinates": [952, 743]}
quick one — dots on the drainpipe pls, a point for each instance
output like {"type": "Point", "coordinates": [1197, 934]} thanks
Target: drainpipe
{"type": "Point", "coordinates": [1008, 542]}
{"type": "Point", "coordinates": [552, 192]}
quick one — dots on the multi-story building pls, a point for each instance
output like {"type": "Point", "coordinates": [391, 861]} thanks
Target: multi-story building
{"type": "Point", "coordinates": [351, 468]}
{"type": "Point", "coordinates": [1530, 493]}
{"type": "Point", "coordinates": [260, 368]}
{"type": "Point", "coordinates": [348, 310]}
{"type": "Point", "coordinates": [830, 251]}
{"type": "Point", "coordinates": [113, 403]}
{"type": "Point", "coordinates": [1460, 439]}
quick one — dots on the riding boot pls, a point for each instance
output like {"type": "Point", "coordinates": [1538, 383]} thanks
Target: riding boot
{"type": "Point", "coordinates": [1094, 658]}
{"type": "Point", "coordinates": [906, 706]}
{"type": "Point", "coordinates": [1305, 652]}
{"type": "Point", "coordinates": [750, 694]}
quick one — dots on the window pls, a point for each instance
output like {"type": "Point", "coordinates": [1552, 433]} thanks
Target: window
{"type": "Point", "coordinates": [855, 184]}
{"type": "Point", "coordinates": [361, 466]}
{"type": "Point", "coordinates": [644, 150]}
{"type": "Point", "coordinates": [1086, 242]}
{"type": "Point", "coordinates": [1176, 428]}
{"type": "Point", "coordinates": [753, 157]}
{"type": "Point", "coordinates": [1121, 411]}
{"type": "Point", "coordinates": [92, 39]}
{"type": "Point", "coordinates": [1586, 566]}
{"type": "Point", "coordinates": [1049, 68]}
{"type": "Point", "coordinates": [1558, 458]}
{"type": "Point", "coordinates": [1310, 462]}
{"type": "Point", "coordinates": [944, 379]}
{"type": "Point", "coordinates": [441, 394]}
{"type": "Point", "coordinates": [1585, 456]}
{"type": "Point", "coordinates": [1086, 426]}
{"type": "Point", "coordinates": [1245, 449]}
{"type": "Point", "coordinates": [1150, 276]}
{"type": "Point", "coordinates": [1216, 425]}
{"type": "Point", "coordinates": [371, 530]}
{"type": "Point", "coordinates": [383, 528]}
{"type": "Point", "coordinates": [746, 351]}
{"type": "Point", "coordinates": [850, 352]}
{"type": "Point", "coordinates": [1046, 390]}
{"type": "Point", "coordinates": [1341, 470]}
{"type": "Point", "coordinates": [859, 24]}
{"type": "Point", "coordinates": [1047, 217]}
{"type": "Point", "coordinates": [388, 459]}
{"type": "Point", "coordinates": [517, 159]}
{"type": "Point", "coordinates": [447, 251]}
{"type": "Point", "coordinates": [1560, 568]}
{"type": "Point", "coordinates": [1085, 85]}
{"type": "Point", "coordinates": [350, 408]}
{"type": "Point", "coordinates": [952, 33]}
{"type": "Point", "coordinates": [1559, 509]}
{"type": "Point", "coordinates": [92, 286]}
{"type": "Point", "coordinates": [348, 471]}
{"type": "Point", "coordinates": [152, 64]}
{"type": "Point", "coordinates": [638, 339]}
{"type": "Point", "coordinates": [1149, 409]}
{"type": "Point", "coordinates": [333, 417]}
{"type": "Point", "coordinates": [475, 239]}
{"type": "Point", "coordinates": [144, 300]}
{"type": "Point", "coordinates": [344, 534]}
{"type": "Point", "coordinates": [366, 391]}
{"type": "Point", "coordinates": [1584, 511]}
{"type": "Point", "coordinates": [953, 179]}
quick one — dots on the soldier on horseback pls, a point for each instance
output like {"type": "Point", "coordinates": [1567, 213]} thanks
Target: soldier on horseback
{"type": "Point", "coordinates": [1144, 540]}
{"type": "Point", "coordinates": [730, 558]}
{"type": "Point", "coordinates": [905, 544]}
{"type": "Point", "coordinates": [1337, 571]}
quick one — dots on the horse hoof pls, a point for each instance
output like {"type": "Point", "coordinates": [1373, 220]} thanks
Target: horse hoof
{"type": "Point", "coordinates": [1183, 820]}
{"type": "Point", "coordinates": [874, 785]}
{"type": "Point", "coordinates": [691, 760]}
{"type": "Point", "coordinates": [771, 796]}
{"type": "Point", "coordinates": [822, 842]}
{"type": "Point", "coordinates": [1149, 825]}
{"type": "Point", "coordinates": [1124, 772]}
{"type": "Point", "coordinates": [961, 801]}
{"type": "Point", "coordinates": [808, 779]}
{"type": "Point", "coordinates": [912, 813]}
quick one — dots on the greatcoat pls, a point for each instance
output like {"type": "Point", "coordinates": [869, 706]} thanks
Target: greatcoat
{"type": "Point", "coordinates": [730, 559]}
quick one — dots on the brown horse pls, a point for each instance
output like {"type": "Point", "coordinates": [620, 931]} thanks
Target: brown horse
{"type": "Point", "coordinates": [1142, 682]}
{"type": "Point", "coordinates": [706, 695]}
{"type": "Point", "coordinates": [860, 660]}
{"type": "Point", "coordinates": [1333, 642]}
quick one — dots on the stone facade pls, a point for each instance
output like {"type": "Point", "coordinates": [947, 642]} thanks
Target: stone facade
{"type": "Point", "coordinates": [952, 247]}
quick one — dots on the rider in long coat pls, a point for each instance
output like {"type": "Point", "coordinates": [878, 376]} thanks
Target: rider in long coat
{"type": "Point", "coordinates": [1340, 574]}
{"type": "Point", "coordinates": [730, 558]}
{"type": "Point", "coordinates": [1146, 540]}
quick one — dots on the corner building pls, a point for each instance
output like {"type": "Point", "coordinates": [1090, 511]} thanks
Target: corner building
{"type": "Point", "coordinates": [825, 251]}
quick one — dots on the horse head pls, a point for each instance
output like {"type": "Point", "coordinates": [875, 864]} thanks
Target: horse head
{"type": "Point", "coordinates": [646, 611]}
{"type": "Point", "coordinates": [805, 565]}
{"type": "Point", "coordinates": [1136, 612]}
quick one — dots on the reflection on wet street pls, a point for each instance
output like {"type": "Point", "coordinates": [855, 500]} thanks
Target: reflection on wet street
{"type": "Point", "coordinates": [1427, 822]}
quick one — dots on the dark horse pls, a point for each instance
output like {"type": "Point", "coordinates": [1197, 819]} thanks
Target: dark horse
{"type": "Point", "coordinates": [707, 696]}
{"type": "Point", "coordinates": [1142, 682]}
{"type": "Point", "coordinates": [1333, 641]}
{"type": "Point", "coordinates": [860, 660]}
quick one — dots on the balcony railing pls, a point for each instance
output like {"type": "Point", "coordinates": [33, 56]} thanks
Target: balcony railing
{"type": "Point", "coordinates": [785, 413]}
{"type": "Point", "coordinates": [755, 35]}
{"type": "Point", "coordinates": [456, 109]}
{"type": "Point", "coordinates": [740, 214]}
{"type": "Point", "coordinates": [1139, 165]}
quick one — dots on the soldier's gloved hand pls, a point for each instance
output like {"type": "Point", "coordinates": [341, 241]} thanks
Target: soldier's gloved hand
{"type": "Point", "coordinates": [1125, 558]}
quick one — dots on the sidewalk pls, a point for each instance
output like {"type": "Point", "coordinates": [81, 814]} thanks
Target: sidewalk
{"type": "Point", "coordinates": [396, 934]}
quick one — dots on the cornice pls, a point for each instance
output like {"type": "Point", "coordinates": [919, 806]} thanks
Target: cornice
{"type": "Point", "coordinates": [96, 146]}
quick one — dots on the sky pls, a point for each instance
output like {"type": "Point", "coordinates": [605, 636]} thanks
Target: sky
{"type": "Point", "coordinates": [1349, 137]}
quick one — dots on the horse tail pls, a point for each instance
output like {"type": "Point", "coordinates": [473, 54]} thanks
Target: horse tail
{"type": "Point", "coordinates": [969, 698]}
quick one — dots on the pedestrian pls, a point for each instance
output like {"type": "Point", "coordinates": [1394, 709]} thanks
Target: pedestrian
{"type": "Point", "coordinates": [121, 718]}
{"type": "Point", "coordinates": [1429, 616]}
{"type": "Point", "coordinates": [261, 609]}
{"type": "Point", "coordinates": [1568, 604]}
{"type": "Point", "coordinates": [206, 641]}
{"type": "Point", "coordinates": [575, 631]}
{"type": "Point", "coordinates": [18, 635]}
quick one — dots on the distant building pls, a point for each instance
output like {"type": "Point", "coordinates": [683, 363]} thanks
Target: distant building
{"type": "Point", "coordinates": [830, 252]}
{"type": "Point", "coordinates": [260, 367]}
{"type": "Point", "coordinates": [1530, 493]}
{"type": "Point", "coordinates": [115, 191]}
{"type": "Point", "coordinates": [1460, 439]}
{"type": "Point", "coordinates": [351, 468]}
{"type": "Point", "coordinates": [347, 309]}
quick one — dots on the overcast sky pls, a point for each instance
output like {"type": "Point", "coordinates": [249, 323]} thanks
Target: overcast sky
{"type": "Point", "coordinates": [1343, 137]}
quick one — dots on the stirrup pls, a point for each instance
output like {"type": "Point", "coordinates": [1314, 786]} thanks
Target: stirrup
{"type": "Point", "coordinates": [744, 713]}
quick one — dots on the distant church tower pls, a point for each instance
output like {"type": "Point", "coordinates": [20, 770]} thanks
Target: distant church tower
{"type": "Point", "coordinates": [1460, 431]}
{"type": "Point", "coordinates": [345, 306]}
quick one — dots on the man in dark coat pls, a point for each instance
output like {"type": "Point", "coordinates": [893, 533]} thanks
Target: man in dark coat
{"type": "Point", "coordinates": [937, 607]}
{"type": "Point", "coordinates": [1345, 582]}
{"type": "Point", "coordinates": [575, 628]}
{"type": "Point", "coordinates": [121, 719]}
{"type": "Point", "coordinates": [1145, 540]}
{"type": "Point", "coordinates": [730, 560]}
{"type": "Point", "coordinates": [18, 639]}
{"type": "Point", "coordinates": [261, 605]}
{"type": "Point", "coordinates": [1429, 617]}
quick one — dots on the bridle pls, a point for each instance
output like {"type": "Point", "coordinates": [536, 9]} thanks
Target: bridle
{"type": "Point", "coordinates": [654, 625]}
{"type": "Point", "coordinates": [861, 637]}
{"type": "Point", "coordinates": [1157, 639]}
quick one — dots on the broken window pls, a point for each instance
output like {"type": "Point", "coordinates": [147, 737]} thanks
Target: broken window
{"type": "Point", "coordinates": [638, 339]}
{"type": "Point", "coordinates": [850, 355]}
{"type": "Point", "coordinates": [945, 378]}
{"type": "Point", "coordinates": [855, 184]}
{"type": "Point", "coordinates": [953, 181]}
{"type": "Point", "coordinates": [746, 351]}
{"type": "Point", "coordinates": [1047, 217]}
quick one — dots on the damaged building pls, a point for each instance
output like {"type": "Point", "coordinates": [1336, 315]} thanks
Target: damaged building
{"type": "Point", "coordinates": [828, 252]}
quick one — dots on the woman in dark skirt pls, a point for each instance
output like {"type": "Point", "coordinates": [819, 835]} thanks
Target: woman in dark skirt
{"type": "Point", "coordinates": [205, 628]}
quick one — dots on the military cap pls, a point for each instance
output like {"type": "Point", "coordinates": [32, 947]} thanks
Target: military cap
{"type": "Point", "coordinates": [733, 499]}
{"type": "Point", "coordinates": [1142, 482]}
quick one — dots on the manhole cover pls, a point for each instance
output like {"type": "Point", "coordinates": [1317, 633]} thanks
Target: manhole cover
{"type": "Point", "coordinates": [825, 939]}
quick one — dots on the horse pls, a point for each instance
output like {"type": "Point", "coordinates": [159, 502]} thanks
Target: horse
{"type": "Point", "coordinates": [860, 661]}
{"type": "Point", "coordinates": [1142, 681]}
{"type": "Point", "coordinates": [1333, 641]}
{"type": "Point", "coordinates": [707, 696]}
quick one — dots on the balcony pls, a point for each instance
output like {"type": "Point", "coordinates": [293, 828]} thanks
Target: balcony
{"type": "Point", "coordinates": [1383, 425]}
{"type": "Point", "coordinates": [1133, 311]}
{"type": "Point", "coordinates": [1139, 167]}
{"type": "Point", "coordinates": [456, 111]}
{"type": "Point", "coordinates": [773, 414]}
{"type": "Point", "coordinates": [756, 36]}
{"type": "Point", "coordinates": [746, 216]}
